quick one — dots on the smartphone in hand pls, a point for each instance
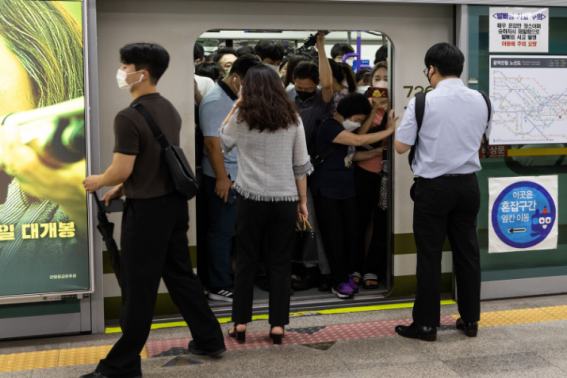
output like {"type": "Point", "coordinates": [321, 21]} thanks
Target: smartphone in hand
{"type": "Point", "coordinates": [375, 92]}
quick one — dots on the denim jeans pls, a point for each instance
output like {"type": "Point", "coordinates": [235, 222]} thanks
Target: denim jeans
{"type": "Point", "coordinates": [221, 223]}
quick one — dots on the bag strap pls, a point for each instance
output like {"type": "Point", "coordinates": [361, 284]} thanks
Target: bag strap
{"type": "Point", "coordinates": [489, 105]}
{"type": "Point", "coordinates": [419, 112]}
{"type": "Point", "coordinates": [158, 134]}
{"type": "Point", "coordinates": [320, 159]}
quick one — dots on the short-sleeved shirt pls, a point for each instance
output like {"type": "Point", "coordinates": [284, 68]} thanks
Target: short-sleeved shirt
{"type": "Point", "coordinates": [213, 110]}
{"type": "Point", "coordinates": [205, 84]}
{"type": "Point", "coordinates": [313, 112]}
{"type": "Point", "coordinates": [334, 178]}
{"type": "Point", "coordinates": [454, 122]}
{"type": "Point", "coordinates": [150, 177]}
{"type": "Point", "coordinates": [291, 93]}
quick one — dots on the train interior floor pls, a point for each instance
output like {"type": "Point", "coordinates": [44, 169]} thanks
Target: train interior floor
{"type": "Point", "coordinates": [263, 296]}
{"type": "Point", "coordinates": [518, 338]}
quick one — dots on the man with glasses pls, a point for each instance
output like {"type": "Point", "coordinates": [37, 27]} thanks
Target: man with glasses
{"type": "Point", "coordinates": [447, 194]}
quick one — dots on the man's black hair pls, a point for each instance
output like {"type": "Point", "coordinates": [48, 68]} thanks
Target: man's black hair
{"type": "Point", "coordinates": [448, 59]}
{"type": "Point", "coordinates": [244, 50]}
{"type": "Point", "coordinates": [222, 52]}
{"type": "Point", "coordinates": [146, 56]}
{"type": "Point", "coordinates": [243, 64]}
{"type": "Point", "coordinates": [341, 49]}
{"type": "Point", "coordinates": [211, 70]}
{"type": "Point", "coordinates": [269, 49]}
{"type": "Point", "coordinates": [307, 70]}
{"type": "Point", "coordinates": [381, 54]}
{"type": "Point", "coordinates": [353, 104]}
{"type": "Point", "coordinates": [198, 52]}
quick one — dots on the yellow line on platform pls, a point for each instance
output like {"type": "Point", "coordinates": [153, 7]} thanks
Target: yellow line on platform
{"type": "Point", "coordinates": [294, 314]}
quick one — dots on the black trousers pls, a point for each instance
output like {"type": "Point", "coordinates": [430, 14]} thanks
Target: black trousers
{"type": "Point", "coordinates": [257, 220]}
{"type": "Point", "coordinates": [446, 206]}
{"type": "Point", "coordinates": [338, 225]}
{"type": "Point", "coordinates": [154, 245]}
{"type": "Point", "coordinates": [367, 210]}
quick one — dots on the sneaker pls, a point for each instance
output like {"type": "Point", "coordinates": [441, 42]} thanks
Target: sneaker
{"type": "Point", "coordinates": [224, 294]}
{"type": "Point", "coordinates": [353, 284]}
{"type": "Point", "coordinates": [343, 291]}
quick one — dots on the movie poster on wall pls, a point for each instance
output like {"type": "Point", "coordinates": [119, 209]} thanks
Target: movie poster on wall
{"type": "Point", "coordinates": [43, 207]}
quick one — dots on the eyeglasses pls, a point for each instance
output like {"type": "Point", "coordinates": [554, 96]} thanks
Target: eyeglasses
{"type": "Point", "coordinates": [426, 73]}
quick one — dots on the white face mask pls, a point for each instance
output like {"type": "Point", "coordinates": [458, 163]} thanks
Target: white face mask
{"type": "Point", "coordinates": [379, 84]}
{"type": "Point", "coordinates": [363, 89]}
{"type": "Point", "coordinates": [350, 125]}
{"type": "Point", "coordinates": [239, 88]}
{"type": "Point", "coordinates": [121, 80]}
{"type": "Point", "coordinates": [275, 68]}
{"type": "Point", "coordinates": [344, 83]}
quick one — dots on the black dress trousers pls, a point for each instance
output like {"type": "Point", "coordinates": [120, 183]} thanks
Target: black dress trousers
{"type": "Point", "coordinates": [154, 245]}
{"type": "Point", "coordinates": [446, 206]}
{"type": "Point", "coordinates": [257, 220]}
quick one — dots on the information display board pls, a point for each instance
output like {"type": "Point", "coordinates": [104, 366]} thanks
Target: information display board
{"type": "Point", "coordinates": [523, 213]}
{"type": "Point", "coordinates": [519, 30]}
{"type": "Point", "coordinates": [529, 99]}
{"type": "Point", "coordinates": [44, 246]}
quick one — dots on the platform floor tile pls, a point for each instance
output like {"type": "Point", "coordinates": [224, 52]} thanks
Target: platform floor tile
{"type": "Point", "coordinates": [559, 312]}
{"type": "Point", "coordinates": [310, 335]}
{"type": "Point", "coordinates": [28, 361]}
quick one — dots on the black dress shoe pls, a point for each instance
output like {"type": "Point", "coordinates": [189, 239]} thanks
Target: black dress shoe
{"type": "Point", "coordinates": [470, 329]}
{"type": "Point", "coordinates": [304, 283]}
{"type": "Point", "coordinates": [96, 374]}
{"type": "Point", "coordinates": [194, 350]}
{"type": "Point", "coordinates": [417, 332]}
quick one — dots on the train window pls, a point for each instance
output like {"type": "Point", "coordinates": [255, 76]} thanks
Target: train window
{"type": "Point", "coordinates": [361, 62]}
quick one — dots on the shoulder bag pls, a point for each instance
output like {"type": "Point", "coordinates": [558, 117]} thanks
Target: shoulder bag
{"type": "Point", "coordinates": [183, 177]}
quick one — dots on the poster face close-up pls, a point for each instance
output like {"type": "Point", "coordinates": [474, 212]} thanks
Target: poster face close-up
{"type": "Point", "coordinates": [43, 206]}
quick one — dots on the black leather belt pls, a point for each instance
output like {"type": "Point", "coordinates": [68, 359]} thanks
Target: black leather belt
{"type": "Point", "coordinates": [458, 175]}
{"type": "Point", "coordinates": [449, 175]}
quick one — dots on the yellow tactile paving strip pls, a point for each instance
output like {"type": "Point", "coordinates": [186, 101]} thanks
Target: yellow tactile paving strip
{"type": "Point", "coordinates": [523, 316]}
{"type": "Point", "coordinates": [56, 358]}
{"type": "Point", "coordinates": [91, 355]}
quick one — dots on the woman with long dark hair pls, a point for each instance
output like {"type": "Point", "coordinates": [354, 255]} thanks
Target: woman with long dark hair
{"type": "Point", "coordinates": [272, 192]}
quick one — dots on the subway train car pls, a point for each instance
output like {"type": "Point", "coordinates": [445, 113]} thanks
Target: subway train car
{"type": "Point", "coordinates": [408, 29]}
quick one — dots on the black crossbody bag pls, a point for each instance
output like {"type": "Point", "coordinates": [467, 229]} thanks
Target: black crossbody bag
{"type": "Point", "coordinates": [183, 177]}
{"type": "Point", "coordinates": [419, 112]}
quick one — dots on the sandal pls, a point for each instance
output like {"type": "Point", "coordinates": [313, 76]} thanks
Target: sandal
{"type": "Point", "coordinates": [370, 277]}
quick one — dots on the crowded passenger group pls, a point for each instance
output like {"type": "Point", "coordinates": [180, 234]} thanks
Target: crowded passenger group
{"type": "Point", "coordinates": [290, 140]}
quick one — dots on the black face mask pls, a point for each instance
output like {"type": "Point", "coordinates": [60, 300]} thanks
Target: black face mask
{"type": "Point", "coordinates": [304, 96]}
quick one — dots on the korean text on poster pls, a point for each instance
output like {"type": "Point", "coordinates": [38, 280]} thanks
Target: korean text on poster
{"type": "Point", "coordinates": [519, 30]}
{"type": "Point", "coordinates": [523, 214]}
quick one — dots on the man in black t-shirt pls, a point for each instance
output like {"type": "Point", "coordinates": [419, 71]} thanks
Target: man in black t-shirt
{"type": "Point", "coordinates": [155, 221]}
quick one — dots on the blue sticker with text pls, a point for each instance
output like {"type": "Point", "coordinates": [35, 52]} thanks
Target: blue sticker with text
{"type": "Point", "coordinates": [523, 215]}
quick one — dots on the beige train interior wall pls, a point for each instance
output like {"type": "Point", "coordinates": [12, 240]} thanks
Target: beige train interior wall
{"type": "Point", "coordinates": [177, 24]}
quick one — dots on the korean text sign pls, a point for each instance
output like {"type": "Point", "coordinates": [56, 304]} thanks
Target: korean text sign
{"type": "Point", "coordinates": [523, 214]}
{"type": "Point", "coordinates": [519, 30]}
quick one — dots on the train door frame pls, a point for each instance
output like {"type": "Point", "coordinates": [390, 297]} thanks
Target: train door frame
{"type": "Point", "coordinates": [178, 24]}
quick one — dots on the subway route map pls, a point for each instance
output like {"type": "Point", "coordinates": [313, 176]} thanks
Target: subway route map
{"type": "Point", "coordinates": [529, 99]}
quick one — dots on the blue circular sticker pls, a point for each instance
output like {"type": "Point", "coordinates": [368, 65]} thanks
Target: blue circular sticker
{"type": "Point", "coordinates": [523, 214]}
